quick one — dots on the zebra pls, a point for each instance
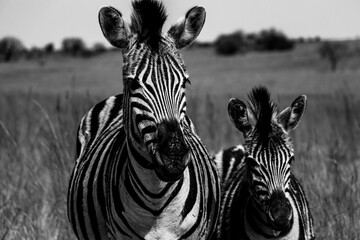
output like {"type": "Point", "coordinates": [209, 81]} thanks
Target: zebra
{"type": "Point", "coordinates": [141, 171]}
{"type": "Point", "coordinates": [261, 198]}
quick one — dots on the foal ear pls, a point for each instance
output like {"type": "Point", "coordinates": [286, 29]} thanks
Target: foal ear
{"type": "Point", "coordinates": [291, 116]}
{"type": "Point", "coordinates": [240, 116]}
{"type": "Point", "coordinates": [114, 27]}
{"type": "Point", "coordinates": [186, 30]}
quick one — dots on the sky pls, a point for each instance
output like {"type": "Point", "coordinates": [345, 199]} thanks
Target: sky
{"type": "Point", "coordinates": [38, 22]}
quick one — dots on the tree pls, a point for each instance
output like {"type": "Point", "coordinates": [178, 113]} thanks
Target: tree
{"type": "Point", "coordinates": [73, 46]}
{"type": "Point", "coordinates": [229, 44]}
{"type": "Point", "coordinates": [251, 40]}
{"type": "Point", "coordinates": [332, 52]}
{"type": "Point", "coordinates": [99, 48]}
{"type": "Point", "coordinates": [35, 53]}
{"type": "Point", "coordinates": [11, 48]}
{"type": "Point", "coordinates": [49, 48]}
{"type": "Point", "coordinates": [274, 40]}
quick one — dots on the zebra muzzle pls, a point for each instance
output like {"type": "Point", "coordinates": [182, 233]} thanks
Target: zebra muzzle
{"type": "Point", "coordinates": [280, 211]}
{"type": "Point", "coordinates": [172, 155]}
{"type": "Point", "coordinates": [168, 169]}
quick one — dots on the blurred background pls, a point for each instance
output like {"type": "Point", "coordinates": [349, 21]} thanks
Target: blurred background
{"type": "Point", "coordinates": [55, 65]}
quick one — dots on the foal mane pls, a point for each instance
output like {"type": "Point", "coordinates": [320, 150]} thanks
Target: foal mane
{"type": "Point", "coordinates": [264, 111]}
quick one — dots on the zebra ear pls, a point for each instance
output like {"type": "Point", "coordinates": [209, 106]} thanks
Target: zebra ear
{"type": "Point", "coordinates": [114, 27]}
{"type": "Point", "coordinates": [290, 117]}
{"type": "Point", "coordinates": [240, 116]}
{"type": "Point", "coordinates": [186, 30]}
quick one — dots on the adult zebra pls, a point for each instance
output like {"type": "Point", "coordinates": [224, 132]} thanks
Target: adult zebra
{"type": "Point", "coordinates": [141, 171]}
{"type": "Point", "coordinates": [261, 198]}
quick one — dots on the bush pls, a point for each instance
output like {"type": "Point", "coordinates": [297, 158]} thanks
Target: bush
{"type": "Point", "coordinates": [49, 48]}
{"type": "Point", "coordinates": [273, 40]}
{"type": "Point", "coordinates": [332, 52]}
{"type": "Point", "coordinates": [230, 44]}
{"type": "Point", "coordinates": [73, 46]}
{"type": "Point", "coordinates": [11, 48]}
{"type": "Point", "coordinates": [87, 53]}
{"type": "Point", "coordinates": [266, 40]}
{"type": "Point", "coordinates": [99, 48]}
{"type": "Point", "coordinates": [251, 40]}
{"type": "Point", "coordinates": [35, 53]}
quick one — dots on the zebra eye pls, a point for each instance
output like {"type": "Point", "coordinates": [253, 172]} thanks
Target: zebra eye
{"type": "Point", "coordinates": [291, 159]}
{"type": "Point", "coordinates": [134, 84]}
{"type": "Point", "coordinates": [252, 162]}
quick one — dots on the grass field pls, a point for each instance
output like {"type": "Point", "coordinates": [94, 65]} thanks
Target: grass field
{"type": "Point", "coordinates": [41, 104]}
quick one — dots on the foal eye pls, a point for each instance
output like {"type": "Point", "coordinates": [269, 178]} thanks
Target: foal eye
{"type": "Point", "coordinates": [252, 162]}
{"type": "Point", "coordinates": [291, 159]}
{"type": "Point", "coordinates": [134, 84]}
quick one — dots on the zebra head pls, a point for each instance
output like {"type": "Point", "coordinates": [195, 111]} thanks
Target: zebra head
{"type": "Point", "coordinates": [269, 152]}
{"type": "Point", "coordinates": [155, 78]}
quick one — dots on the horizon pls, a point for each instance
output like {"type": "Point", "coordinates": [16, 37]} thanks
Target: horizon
{"type": "Point", "coordinates": [40, 22]}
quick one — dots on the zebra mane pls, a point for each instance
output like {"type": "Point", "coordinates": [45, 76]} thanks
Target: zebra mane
{"type": "Point", "coordinates": [263, 110]}
{"type": "Point", "coordinates": [147, 20]}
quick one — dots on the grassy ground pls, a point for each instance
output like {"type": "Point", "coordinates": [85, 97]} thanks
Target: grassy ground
{"type": "Point", "coordinates": [41, 104]}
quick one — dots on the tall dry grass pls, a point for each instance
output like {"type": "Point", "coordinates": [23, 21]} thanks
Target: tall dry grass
{"type": "Point", "coordinates": [37, 146]}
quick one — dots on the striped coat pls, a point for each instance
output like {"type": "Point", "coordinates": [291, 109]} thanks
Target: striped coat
{"type": "Point", "coordinates": [261, 198]}
{"type": "Point", "coordinates": [109, 192]}
{"type": "Point", "coordinates": [141, 170]}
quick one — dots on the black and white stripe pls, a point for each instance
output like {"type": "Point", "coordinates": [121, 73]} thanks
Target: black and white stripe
{"type": "Point", "coordinates": [261, 198]}
{"type": "Point", "coordinates": [141, 171]}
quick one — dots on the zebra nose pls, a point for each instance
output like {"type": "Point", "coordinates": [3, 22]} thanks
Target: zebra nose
{"type": "Point", "coordinates": [280, 211]}
{"type": "Point", "coordinates": [173, 154]}
{"type": "Point", "coordinates": [171, 141]}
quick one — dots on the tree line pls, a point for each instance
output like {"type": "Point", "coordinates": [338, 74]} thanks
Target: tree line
{"type": "Point", "coordinates": [265, 40]}
{"type": "Point", "coordinates": [238, 42]}
{"type": "Point", "coordinates": [12, 49]}
{"type": "Point", "coordinates": [270, 40]}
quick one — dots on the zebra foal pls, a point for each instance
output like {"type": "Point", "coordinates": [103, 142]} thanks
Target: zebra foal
{"type": "Point", "coordinates": [261, 198]}
{"type": "Point", "coordinates": [141, 171]}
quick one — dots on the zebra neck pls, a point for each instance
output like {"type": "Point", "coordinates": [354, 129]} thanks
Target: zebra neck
{"type": "Point", "coordinates": [258, 227]}
{"type": "Point", "coordinates": [140, 171]}
{"type": "Point", "coordinates": [139, 199]}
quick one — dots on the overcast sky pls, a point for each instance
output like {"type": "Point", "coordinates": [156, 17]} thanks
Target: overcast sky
{"type": "Point", "coordinates": [37, 22]}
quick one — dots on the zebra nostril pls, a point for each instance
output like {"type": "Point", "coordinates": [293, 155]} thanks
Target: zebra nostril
{"type": "Point", "coordinates": [173, 146]}
{"type": "Point", "coordinates": [170, 140]}
{"type": "Point", "coordinates": [153, 148]}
